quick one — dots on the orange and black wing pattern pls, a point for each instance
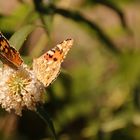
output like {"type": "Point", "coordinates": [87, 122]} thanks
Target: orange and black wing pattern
{"type": "Point", "coordinates": [9, 55]}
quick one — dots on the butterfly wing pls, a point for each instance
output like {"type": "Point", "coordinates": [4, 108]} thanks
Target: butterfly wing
{"type": "Point", "coordinates": [47, 67]}
{"type": "Point", "coordinates": [9, 55]}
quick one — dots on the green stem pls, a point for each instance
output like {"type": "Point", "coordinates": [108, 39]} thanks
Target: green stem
{"type": "Point", "coordinates": [45, 117]}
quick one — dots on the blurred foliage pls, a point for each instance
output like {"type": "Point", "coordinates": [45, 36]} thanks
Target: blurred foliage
{"type": "Point", "coordinates": [97, 94]}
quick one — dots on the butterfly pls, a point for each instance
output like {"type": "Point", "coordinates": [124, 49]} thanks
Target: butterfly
{"type": "Point", "coordinates": [8, 54]}
{"type": "Point", "coordinates": [47, 66]}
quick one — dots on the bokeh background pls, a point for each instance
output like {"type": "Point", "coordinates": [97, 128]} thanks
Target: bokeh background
{"type": "Point", "coordinates": [97, 94]}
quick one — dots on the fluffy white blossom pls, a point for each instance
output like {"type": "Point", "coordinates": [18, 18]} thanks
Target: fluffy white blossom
{"type": "Point", "coordinates": [20, 89]}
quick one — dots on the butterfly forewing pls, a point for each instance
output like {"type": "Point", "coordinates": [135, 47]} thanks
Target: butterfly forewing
{"type": "Point", "coordinates": [9, 55]}
{"type": "Point", "coordinates": [47, 66]}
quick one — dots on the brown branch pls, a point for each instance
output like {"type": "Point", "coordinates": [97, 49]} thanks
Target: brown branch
{"type": "Point", "coordinates": [78, 17]}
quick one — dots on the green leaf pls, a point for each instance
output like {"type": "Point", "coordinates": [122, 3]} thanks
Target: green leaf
{"type": "Point", "coordinates": [20, 36]}
{"type": "Point", "coordinates": [27, 60]}
{"type": "Point", "coordinates": [44, 115]}
{"type": "Point", "coordinates": [19, 17]}
{"type": "Point", "coordinates": [40, 46]}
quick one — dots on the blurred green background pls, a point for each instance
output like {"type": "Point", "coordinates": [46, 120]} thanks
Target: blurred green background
{"type": "Point", "coordinates": [97, 94]}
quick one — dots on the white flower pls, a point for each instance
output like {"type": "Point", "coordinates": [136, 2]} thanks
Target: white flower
{"type": "Point", "coordinates": [20, 89]}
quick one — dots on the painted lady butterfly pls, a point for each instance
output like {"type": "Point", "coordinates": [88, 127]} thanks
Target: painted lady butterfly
{"type": "Point", "coordinates": [46, 68]}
